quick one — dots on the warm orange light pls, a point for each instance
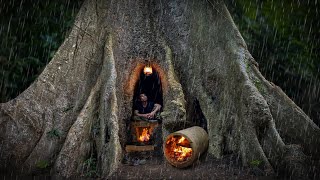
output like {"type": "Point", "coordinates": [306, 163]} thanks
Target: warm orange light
{"type": "Point", "coordinates": [179, 148]}
{"type": "Point", "coordinates": [182, 152]}
{"type": "Point", "coordinates": [147, 70]}
{"type": "Point", "coordinates": [145, 135]}
{"type": "Point", "coordinates": [181, 140]}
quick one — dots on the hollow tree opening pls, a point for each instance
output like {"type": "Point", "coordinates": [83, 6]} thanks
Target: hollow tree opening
{"type": "Point", "coordinates": [145, 135]}
{"type": "Point", "coordinates": [149, 85]}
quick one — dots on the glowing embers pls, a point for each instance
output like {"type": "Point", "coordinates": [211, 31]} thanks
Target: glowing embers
{"type": "Point", "coordinates": [178, 148]}
{"type": "Point", "coordinates": [183, 147]}
{"type": "Point", "coordinates": [144, 135]}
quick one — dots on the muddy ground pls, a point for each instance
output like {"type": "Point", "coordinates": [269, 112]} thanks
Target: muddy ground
{"type": "Point", "coordinates": [205, 168]}
{"type": "Point", "coordinates": [149, 166]}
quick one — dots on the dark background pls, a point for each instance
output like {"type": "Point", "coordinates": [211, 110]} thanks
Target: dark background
{"type": "Point", "coordinates": [151, 86]}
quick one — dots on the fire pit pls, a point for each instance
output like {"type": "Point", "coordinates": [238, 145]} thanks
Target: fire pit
{"type": "Point", "coordinates": [143, 136]}
{"type": "Point", "coordinates": [183, 147]}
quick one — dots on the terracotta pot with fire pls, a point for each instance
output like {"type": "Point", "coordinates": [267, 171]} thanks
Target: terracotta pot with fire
{"type": "Point", "coordinates": [183, 147]}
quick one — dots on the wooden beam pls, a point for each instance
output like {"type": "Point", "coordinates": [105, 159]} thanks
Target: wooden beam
{"type": "Point", "coordinates": [133, 148]}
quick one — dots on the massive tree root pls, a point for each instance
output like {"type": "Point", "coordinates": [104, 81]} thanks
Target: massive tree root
{"type": "Point", "coordinates": [79, 106]}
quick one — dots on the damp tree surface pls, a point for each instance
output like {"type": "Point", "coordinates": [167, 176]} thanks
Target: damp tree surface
{"type": "Point", "coordinates": [80, 103]}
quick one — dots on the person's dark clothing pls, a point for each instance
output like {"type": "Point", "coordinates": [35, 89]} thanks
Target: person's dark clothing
{"type": "Point", "coordinates": [144, 110]}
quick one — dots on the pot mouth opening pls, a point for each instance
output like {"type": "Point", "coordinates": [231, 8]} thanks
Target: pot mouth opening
{"type": "Point", "coordinates": [178, 148]}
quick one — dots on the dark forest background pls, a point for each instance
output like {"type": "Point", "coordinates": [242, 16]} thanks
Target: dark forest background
{"type": "Point", "coordinates": [283, 37]}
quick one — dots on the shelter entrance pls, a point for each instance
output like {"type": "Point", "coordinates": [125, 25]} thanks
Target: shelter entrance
{"type": "Point", "coordinates": [150, 85]}
{"type": "Point", "coordinates": [145, 136]}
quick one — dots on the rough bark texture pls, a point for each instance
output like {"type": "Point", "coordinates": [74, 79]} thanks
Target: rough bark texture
{"type": "Point", "coordinates": [86, 91]}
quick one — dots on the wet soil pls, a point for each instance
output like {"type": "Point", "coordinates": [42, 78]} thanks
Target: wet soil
{"type": "Point", "coordinates": [149, 166]}
{"type": "Point", "coordinates": [206, 167]}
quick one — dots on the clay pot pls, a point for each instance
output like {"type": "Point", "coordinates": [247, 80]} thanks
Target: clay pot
{"type": "Point", "coordinates": [183, 147]}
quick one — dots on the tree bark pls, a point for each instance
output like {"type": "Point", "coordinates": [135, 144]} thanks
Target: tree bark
{"type": "Point", "coordinates": [86, 92]}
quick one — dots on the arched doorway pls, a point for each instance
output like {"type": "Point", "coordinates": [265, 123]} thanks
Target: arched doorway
{"type": "Point", "coordinates": [145, 135]}
{"type": "Point", "coordinates": [149, 85]}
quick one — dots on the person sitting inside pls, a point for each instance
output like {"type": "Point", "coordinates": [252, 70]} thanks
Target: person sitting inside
{"type": "Point", "coordinates": [145, 110]}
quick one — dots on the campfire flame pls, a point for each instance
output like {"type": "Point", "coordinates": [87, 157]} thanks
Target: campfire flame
{"type": "Point", "coordinates": [178, 148]}
{"type": "Point", "coordinates": [145, 135]}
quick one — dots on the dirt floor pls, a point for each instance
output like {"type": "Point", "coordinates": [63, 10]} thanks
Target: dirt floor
{"type": "Point", "coordinates": [149, 166]}
{"type": "Point", "coordinates": [205, 168]}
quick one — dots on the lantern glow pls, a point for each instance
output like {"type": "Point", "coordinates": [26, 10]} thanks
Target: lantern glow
{"type": "Point", "coordinates": [147, 70]}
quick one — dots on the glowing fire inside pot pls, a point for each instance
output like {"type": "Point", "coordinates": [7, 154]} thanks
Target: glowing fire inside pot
{"type": "Point", "coordinates": [178, 148]}
{"type": "Point", "coordinates": [182, 148]}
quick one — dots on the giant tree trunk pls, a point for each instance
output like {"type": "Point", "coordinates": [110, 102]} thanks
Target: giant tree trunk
{"type": "Point", "coordinates": [86, 91]}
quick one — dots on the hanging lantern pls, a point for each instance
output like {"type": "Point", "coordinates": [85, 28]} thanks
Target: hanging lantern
{"type": "Point", "coordinates": [147, 70]}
